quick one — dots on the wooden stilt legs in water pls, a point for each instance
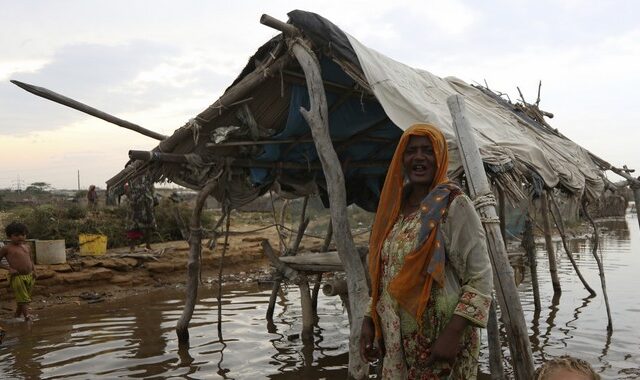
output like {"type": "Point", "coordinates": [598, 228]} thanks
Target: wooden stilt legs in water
{"type": "Point", "coordinates": [557, 219]}
{"type": "Point", "coordinates": [553, 270]}
{"type": "Point", "coordinates": [529, 245]}
{"type": "Point", "coordinates": [308, 319]}
{"type": "Point", "coordinates": [193, 265]}
{"type": "Point", "coordinates": [304, 222]}
{"type": "Point", "coordinates": [599, 262]}
{"type": "Point", "coordinates": [221, 267]}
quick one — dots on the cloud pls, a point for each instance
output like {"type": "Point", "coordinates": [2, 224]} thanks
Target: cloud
{"type": "Point", "coordinates": [115, 79]}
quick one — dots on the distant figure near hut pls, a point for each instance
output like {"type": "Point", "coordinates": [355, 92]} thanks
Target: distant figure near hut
{"type": "Point", "coordinates": [142, 221]}
{"type": "Point", "coordinates": [92, 197]}
{"type": "Point", "coordinates": [22, 274]}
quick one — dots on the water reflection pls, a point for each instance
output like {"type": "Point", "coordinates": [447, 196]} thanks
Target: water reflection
{"type": "Point", "coordinates": [135, 338]}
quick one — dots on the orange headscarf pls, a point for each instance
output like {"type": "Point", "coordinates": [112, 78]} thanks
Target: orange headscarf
{"type": "Point", "coordinates": [410, 287]}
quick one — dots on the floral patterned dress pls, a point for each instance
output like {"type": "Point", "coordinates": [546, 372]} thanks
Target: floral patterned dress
{"type": "Point", "coordinates": [467, 292]}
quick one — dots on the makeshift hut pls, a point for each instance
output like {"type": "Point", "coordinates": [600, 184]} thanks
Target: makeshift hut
{"type": "Point", "coordinates": [259, 136]}
{"type": "Point", "coordinates": [316, 112]}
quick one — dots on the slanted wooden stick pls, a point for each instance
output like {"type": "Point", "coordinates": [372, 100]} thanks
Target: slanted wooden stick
{"type": "Point", "coordinates": [560, 226]}
{"type": "Point", "coordinates": [71, 103]}
{"type": "Point", "coordinates": [600, 267]}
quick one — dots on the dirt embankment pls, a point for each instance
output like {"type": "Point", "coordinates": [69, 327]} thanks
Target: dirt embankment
{"type": "Point", "coordinates": [119, 274]}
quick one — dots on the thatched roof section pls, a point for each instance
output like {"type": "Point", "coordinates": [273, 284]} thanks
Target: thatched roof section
{"type": "Point", "coordinates": [253, 138]}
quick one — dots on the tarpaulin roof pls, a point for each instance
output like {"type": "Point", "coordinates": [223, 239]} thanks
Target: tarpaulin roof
{"type": "Point", "coordinates": [371, 99]}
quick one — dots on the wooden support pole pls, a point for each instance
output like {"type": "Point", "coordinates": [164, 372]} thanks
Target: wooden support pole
{"type": "Point", "coordinates": [504, 283]}
{"type": "Point", "coordinates": [546, 224]}
{"type": "Point", "coordinates": [308, 319]}
{"type": "Point", "coordinates": [529, 245]}
{"type": "Point", "coordinates": [193, 264]}
{"type": "Point", "coordinates": [318, 120]}
{"type": "Point", "coordinates": [557, 219]}
{"type": "Point", "coordinates": [594, 251]}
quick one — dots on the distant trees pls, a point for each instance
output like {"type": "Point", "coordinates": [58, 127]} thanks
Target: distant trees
{"type": "Point", "coordinates": [38, 188]}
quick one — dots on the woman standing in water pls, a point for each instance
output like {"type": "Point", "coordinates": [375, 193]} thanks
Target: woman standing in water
{"type": "Point", "coordinates": [431, 278]}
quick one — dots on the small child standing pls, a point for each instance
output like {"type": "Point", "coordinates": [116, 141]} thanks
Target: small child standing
{"type": "Point", "coordinates": [22, 275]}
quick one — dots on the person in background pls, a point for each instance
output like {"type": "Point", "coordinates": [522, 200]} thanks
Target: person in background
{"type": "Point", "coordinates": [142, 221]}
{"type": "Point", "coordinates": [92, 197]}
{"type": "Point", "coordinates": [22, 274]}
{"type": "Point", "coordinates": [566, 368]}
{"type": "Point", "coordinates": [431, 278]}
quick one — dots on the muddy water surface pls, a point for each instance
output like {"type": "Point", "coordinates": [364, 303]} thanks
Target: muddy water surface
{"type": "Point", "coordinates": [135, 338]}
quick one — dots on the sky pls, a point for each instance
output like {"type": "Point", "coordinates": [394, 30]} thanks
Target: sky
{"type": "Point", "coordinates": [159, 63]}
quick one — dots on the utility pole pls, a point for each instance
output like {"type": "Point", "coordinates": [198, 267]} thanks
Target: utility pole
{"type": "Point", "coordinates": [78, 179]}
{"type": "Point", "coordinates": [18, 183]}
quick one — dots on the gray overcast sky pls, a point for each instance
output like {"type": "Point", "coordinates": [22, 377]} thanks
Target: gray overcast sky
{"type": "Point", "coordinates": [159, 63]}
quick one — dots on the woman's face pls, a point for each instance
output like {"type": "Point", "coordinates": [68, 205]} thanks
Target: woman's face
{"type": "Point", "coordinates": [419, 161]}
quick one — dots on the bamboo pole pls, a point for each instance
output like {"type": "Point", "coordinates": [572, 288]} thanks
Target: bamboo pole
{"type": "Point", "coordinates": [600, 267]}
{"type": "Point", "coordinates": [560, 226]}
{"type": "Point", "coordinates": [318, 120]}
{"type": "Point", "coordinates": [510, 306]}
{"type": "Point", "coordinates": [71, 103]}
{"type": "Point", "coordinates": [546, 224]}
{"type": "Point", "coordinates": [529, 245]}
{"type": "Point", "coordinates": [193, 264]}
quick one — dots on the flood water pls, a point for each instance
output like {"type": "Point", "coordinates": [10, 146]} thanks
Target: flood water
{"type": "Point", "coordinates": [135, 337]}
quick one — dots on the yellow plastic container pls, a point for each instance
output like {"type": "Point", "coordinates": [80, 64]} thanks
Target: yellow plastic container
{"type": "Point", "coordinates": [92, 244]}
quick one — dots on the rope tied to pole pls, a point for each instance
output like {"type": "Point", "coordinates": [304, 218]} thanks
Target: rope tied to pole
{"type": "Point", "coordinates": [483, 200]}
{"type": "Point", "coordinates": [195, 129]}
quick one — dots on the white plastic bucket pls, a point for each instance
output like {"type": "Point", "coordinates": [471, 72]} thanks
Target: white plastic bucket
{"type": "Point", "coordinates": [50, 252]}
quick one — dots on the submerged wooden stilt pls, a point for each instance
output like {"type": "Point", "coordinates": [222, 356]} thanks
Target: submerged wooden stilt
{"type": "Point", "coordinates": [600, 267]}
{"type": "Point", "coordinates": [529, 245]}
{"type": "Point", "coordinates": [553, 269]}
{"type": "Point", "coordinates": [193, 264]}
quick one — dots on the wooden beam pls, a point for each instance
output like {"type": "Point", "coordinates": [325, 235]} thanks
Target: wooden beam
{"type": "Point", "coordinates": [145, 155]}
{"type": "Point", "coordinates": [298, 78]}
{"type": "Point", "coordinates": [504, 283]}
{"type": "Point", "coordinates": [71, 103]}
